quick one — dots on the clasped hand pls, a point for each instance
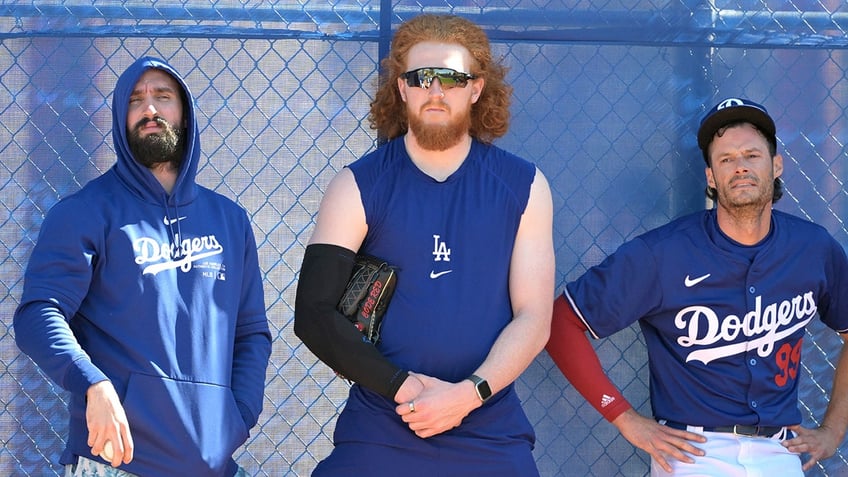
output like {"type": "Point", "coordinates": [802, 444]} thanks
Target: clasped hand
{"type": "Point", "coordinates": [437, 406]}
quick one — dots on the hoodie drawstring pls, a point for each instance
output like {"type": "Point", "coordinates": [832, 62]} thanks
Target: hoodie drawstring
{"type": "Point", "coordinates": [174, 232]}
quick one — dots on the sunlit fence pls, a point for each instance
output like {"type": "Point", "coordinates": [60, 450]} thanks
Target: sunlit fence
{"type": "Point", "coordinates": [607, 98]}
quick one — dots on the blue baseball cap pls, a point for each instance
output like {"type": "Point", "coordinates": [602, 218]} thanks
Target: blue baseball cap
{"type": "Point", "coordinates": [732, 110]}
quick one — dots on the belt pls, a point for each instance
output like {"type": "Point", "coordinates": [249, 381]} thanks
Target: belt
{"type": "Point", "coordinates": [737, 429]}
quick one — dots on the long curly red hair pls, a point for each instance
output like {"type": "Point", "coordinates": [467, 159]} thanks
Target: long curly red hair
{"type": "Point", "coordinates": [489, 115]}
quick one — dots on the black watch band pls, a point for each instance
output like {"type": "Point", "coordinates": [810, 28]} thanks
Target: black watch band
{"type": "Point", "coordinates": [484, 392]}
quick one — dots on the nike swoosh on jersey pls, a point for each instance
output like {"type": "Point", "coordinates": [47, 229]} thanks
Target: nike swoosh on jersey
{"type": "Point", "coordinates": [168, 221]}
{"type": "Point", "coordinates": [691, 282]}
{"type": "Point", "coordinates": [435, 274]}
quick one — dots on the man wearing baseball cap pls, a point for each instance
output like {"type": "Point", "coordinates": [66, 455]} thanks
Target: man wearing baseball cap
{"type": "Point", "coordinates": [722, 297]}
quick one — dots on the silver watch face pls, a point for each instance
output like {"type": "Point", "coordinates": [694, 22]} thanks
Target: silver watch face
{"type": "Point", "coordinates": [484, 392]}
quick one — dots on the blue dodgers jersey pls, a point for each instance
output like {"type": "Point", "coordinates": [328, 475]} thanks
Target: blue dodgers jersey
{"type": "Point", "coordinates": [724, 330]}
{"type": "Point", "coordinates": [452, 244]}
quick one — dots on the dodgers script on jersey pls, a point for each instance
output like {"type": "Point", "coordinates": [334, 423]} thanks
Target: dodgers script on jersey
{"type": "Point", "coordinates": [724, 323]}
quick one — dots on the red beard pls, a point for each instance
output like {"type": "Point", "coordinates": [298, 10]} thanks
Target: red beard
{"type": "Point", "coordinates": [439, 137]}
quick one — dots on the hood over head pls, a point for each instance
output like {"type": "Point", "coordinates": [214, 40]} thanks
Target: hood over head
{"type": "Point", "coordinates": [138, 177]}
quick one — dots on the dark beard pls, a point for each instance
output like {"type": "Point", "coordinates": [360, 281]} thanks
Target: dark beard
{"type": "Point", "coordinates": [439, 137]}
{"type": "Point", "coordinates": [166, 146]}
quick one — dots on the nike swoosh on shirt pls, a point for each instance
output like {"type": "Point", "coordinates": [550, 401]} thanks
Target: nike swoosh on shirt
{"type": "Point", "coordinates": [691, 282]}
{"type": "Point", "coordinates": [435, 274]}
{"type": "Point", "coordinates": [169, 221]}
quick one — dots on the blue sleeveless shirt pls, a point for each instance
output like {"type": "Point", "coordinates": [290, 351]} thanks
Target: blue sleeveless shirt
{"type": "Point", "coordinates": [452, 243]}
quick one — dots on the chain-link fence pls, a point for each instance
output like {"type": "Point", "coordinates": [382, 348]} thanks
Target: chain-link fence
{"type": "Point", "coordinates": [608, 94]}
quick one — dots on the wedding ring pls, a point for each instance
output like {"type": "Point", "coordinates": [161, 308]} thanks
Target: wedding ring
{"type": "Point", "coordinates": [411, 406]}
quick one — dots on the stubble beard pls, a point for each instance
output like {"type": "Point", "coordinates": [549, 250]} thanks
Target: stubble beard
{"type": "Point", "coordinates": [165, 146]}
{"type": "Point", "coordinates": [746, 205]}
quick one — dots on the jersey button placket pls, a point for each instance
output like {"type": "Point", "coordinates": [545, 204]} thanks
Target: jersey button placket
{"type": "Point", "coordinates": [752, 360]}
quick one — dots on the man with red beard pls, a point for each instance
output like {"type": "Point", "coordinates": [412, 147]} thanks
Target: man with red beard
{"type": "Point", "coordinates": [469, 228]}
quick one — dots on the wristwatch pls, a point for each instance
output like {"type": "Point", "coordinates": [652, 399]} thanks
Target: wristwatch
{"type": "Point", "coordinates": [484, 392]}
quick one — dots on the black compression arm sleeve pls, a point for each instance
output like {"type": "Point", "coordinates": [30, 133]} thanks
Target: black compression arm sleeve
{"type": "Point", "coordinates": [329, 334]}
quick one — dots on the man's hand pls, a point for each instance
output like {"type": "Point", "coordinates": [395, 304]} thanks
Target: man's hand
{"type": "Point", "coordinates": [660, 441]}
{"type": "Point", "coordinates": [107, 422]}
{"type": "Point", "coordinates": [409, 390]}
{"type": "Point", "coordinates": [439, 407]}
{"type": "Point", "coordinates": [819, 443]}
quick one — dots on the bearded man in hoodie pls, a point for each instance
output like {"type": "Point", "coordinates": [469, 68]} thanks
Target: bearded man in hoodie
{"type": "Point", "coordinates": [143, 298]}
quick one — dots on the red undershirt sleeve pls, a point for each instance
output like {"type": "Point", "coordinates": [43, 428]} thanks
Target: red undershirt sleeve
{"type": "Point", "coordinates": [572, 352]}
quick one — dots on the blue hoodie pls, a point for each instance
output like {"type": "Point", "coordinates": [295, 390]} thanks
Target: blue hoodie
{"type": "Point", "coordinates": [159, 293]}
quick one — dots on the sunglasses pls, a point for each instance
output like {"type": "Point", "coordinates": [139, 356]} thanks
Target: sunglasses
{"type": "Point", "coordinates": [448, 78]}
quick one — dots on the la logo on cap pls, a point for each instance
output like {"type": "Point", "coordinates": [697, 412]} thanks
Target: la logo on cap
{"type": "Point", "coordinates": [729, 103]}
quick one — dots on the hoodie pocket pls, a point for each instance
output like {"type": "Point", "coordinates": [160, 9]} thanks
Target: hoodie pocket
{"type": "Point", "coordinates": [186, 428]}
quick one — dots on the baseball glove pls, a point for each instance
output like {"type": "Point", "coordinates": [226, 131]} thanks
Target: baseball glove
{"type": "Point", "coordinates": [367, 295]}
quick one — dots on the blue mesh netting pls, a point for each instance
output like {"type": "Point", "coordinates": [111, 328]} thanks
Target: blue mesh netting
{"type": "Point", "coordinates": [607, 98]}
